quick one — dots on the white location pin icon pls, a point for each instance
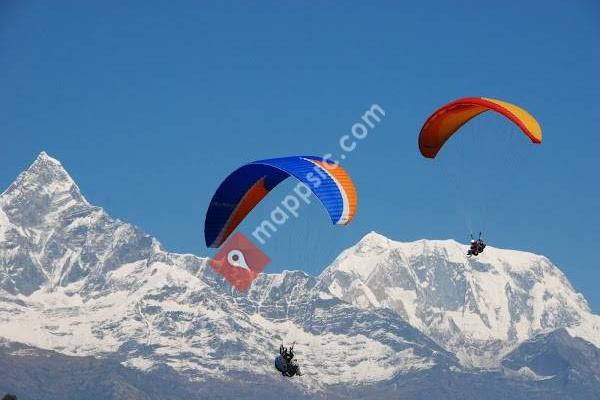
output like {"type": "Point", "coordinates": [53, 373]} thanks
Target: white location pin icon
{"type": "Point", "coordinates": [235, 258]}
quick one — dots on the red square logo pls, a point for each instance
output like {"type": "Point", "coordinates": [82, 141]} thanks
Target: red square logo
{"type": "Point", "coordinates": [239, 261]}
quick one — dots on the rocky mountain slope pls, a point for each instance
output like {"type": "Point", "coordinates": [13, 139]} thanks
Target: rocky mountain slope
{"type": "Point", "coordinates": [386, 319]}
{"type": "Point", "coordinates": [477, 308]}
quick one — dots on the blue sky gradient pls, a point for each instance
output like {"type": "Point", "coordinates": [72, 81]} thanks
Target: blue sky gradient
{"type": "Point", "coordinates": [150, 104]}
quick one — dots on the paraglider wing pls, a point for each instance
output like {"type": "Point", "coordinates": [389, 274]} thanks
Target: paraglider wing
{"type": "Point", "coordinates": [445, 121]}
{"type": "Point", "coordinates": [244, 188]}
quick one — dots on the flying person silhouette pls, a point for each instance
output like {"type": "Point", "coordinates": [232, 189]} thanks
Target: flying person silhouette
{"type": "Point", "coordinates": [285, 362]}
{"type": "Point", "coordinates": [477, 246]}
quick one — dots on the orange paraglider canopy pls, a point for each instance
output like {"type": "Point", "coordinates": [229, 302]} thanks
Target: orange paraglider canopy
{"type": "Point", "coordinates": [445, 121]}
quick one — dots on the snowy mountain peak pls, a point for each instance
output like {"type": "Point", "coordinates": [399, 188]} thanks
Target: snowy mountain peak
{"type": "Point", "coordinates": [51, 236]}
{"type": "Point", "coordinates": [74, 280]}
{"type": "Point", "coordinates": [372, 241]}
{"type": "Point", "coordinates": [373, 237]}
{"type": "Point", "coordinates": [44, 157]}
{"type": "Point", "coordinates": [47, 165]}
{"type": "Point", "coordinates": [476, 307]}
{"type": "Point", "coordinates": [375, 243]}
{"type": "Point", "coordinates": [43, 186]}
{"type": "Point", "coordinates": [84, 283]}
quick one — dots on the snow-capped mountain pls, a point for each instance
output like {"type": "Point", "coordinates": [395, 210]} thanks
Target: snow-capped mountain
{"type": "Point", "coordinates": [386, 319]}
{"type": "Point", "coordinates": [78, 282]}
{"type": "Point", "coordinates": [477, 308]}
{"type": "Point", "coordinates": [50, 236]}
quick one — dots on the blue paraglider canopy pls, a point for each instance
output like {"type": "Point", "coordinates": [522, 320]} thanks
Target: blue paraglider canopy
{"type": "Point", "coordinates": [244, 188]}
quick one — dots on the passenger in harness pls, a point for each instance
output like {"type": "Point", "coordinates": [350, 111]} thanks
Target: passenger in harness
{"type": "Point", "coordinates": [477, 246]}
{"type": "Point", "coordinates": [285, 362]}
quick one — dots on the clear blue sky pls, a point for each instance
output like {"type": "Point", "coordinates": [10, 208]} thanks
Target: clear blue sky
{"type": "Point", "coordinates": [150, 104]}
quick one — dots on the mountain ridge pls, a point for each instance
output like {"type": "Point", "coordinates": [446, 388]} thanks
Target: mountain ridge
{"type": "Point", "coordinates": [498, 299]}
{"type": "Point", "coordinates": [75, 281]}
